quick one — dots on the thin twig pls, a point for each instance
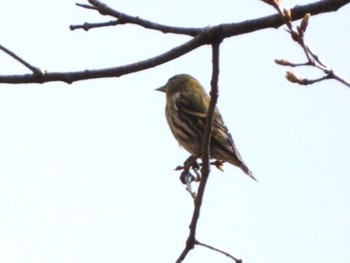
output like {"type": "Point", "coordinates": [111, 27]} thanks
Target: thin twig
{"type": "Point", "coordinates": [341, 80]}
{"type": "Point", "coordinates": [315, 57]}
{"type": "Point", "coordinates": [87, 26]}
{"type": "Point", "coordinates": [312, 81]}
{"type": "Point", "coordinates": [312, 59]}
{"type": "Point", "coordinates": [219, 251]}
{"type": "Point", "coordinates": [86, 6]}
{"type": "Point", "coordinates": [124, 18]}
{"type": "Point", "coordinates": [35, 70]}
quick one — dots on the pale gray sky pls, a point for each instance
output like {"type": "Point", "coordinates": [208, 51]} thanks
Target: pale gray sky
{"type": "Point", "coordinates": [86, 170]}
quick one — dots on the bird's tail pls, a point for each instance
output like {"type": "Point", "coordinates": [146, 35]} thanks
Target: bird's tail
{"type": "Point", "coordinates": [247, 171]}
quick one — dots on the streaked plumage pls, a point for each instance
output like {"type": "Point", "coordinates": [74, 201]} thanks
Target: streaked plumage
{"type": "Point", "coordinates": [186, 108]}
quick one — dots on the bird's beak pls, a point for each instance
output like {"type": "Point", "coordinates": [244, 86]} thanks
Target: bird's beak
{"type": "Point", "coordinates": [162, 89]}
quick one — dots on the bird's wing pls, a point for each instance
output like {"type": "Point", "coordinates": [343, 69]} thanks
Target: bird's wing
{"type": "Point", "coordinates": [196, 108]}
{"type": "Point", "coordinates": [220, 131]}
{"type": "Point", "coordinates": [223, 137]}
{"type": "Point", "coordinates": [195, 105]}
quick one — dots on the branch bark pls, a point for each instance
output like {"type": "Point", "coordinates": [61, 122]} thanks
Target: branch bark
{"type": "Point", "coordinates": [214, 93]}
{"type": "Point", "coordinates": [202, 36]}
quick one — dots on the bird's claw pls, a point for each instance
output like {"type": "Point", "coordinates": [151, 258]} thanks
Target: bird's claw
{"type": "Point", "coordinates": [218, 164]}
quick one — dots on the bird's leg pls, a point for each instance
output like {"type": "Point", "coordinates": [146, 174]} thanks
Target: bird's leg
{"type": "Point", "coordinates": [190, 163]}
{"type": "Point", "coordinates": [218, 164]}
{"type": "Point", "coordinates": [195, 168]}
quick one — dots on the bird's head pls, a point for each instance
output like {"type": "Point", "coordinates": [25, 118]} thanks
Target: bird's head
{"type": "Point", "coordinates": [181, 83]}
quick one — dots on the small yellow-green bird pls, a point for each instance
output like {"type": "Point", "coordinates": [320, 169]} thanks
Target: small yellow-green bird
{"type": "Point", "coordinates": [187, 104]}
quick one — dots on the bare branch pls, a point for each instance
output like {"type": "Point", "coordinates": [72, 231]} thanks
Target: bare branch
{"type": "Point", "coordinates": [232, 29]}
{"type": "Point", "coordinates": [87, 26]}
{"type": "Point", "coordinates": [70, 77]}
{"type": "Point", "coordinates": [218, 250]}
{"type": "Point", "coordinates": [205, 170]}
{"type": "Point", "coordinates": [203, 36]}
{"type": "Point", "coordinates": [124, 19]}
{"type": "Point", "coordinates": [340, 79]}
{"type": "Point", "coordinates": [292, 77]}
{"type": "Point", "coordinates": [85, 6]}
{"type": "Point", "coordinates": [312, 59]}
{"type": "Point", "coordinates": [36, 71]}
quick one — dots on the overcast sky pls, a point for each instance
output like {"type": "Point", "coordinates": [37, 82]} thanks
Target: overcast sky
{"type": "Point", "coordinates": [87, 170]}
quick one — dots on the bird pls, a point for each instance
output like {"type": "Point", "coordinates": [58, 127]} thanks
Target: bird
{"type": "Point", "coordinates": [186, 109]}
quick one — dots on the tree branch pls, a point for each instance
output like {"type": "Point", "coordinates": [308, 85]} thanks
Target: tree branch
{"type": "Point", "coordinates": [219, 251]}
{"type": "Point", "coordinates": [70, 77]}
{"type": "Point", "coordinates": [273, 21]}
{"type": "Point", "coordinates": [205, 170]}
{"type": "Point", "coordinates": [298, 35]}
{"type": "Point", "coordinates": [87, 26]}
{"type": "Point", "coordinates": [36, 71]}
{"type": "Point", "coordinates": [127, 19]}
{"type": "Point", "coordinates": [202, 37]}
